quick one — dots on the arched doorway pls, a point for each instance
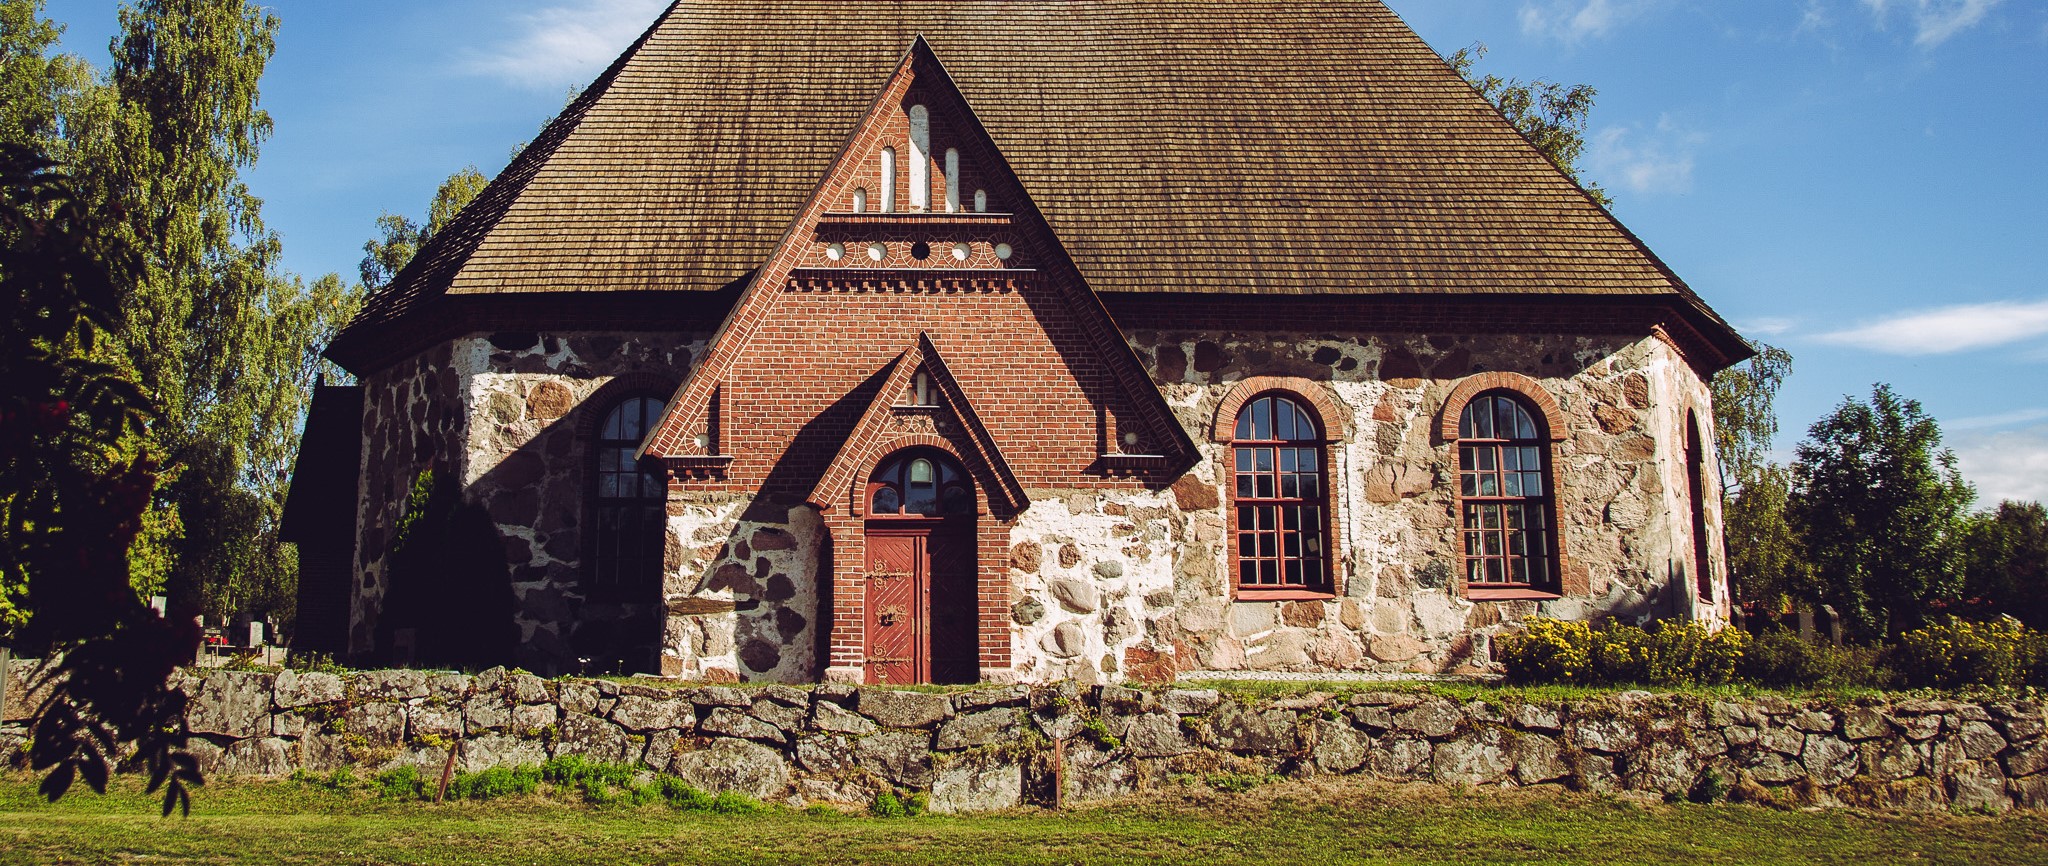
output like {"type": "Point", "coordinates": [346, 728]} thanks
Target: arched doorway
{"type": "Point", "coordinates": [921, 611]}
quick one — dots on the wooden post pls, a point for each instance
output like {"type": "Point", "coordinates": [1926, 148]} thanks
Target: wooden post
{"type": "Point", "coordinates": [1059, 773]}
{"type": "Point", "coordinates": [447, 771]}
{"type": "Point", "coordinates": [6, 677]}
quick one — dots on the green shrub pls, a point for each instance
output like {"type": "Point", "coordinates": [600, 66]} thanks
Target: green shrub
{"type": "Point", "coordinates": [1781, 658]}
{"type": "Point", "coordinates": [887, 806]}
{"type": "Point", "coordinates": [401, 783]}
{"type": "Point", "coordinates": [682, 795]}
{"type": "Point", "coordinates": [1958, 653]}
{"type": "Point", "coordinates": [736, 803]}
{"type": "Point", "coordinates": [494, 783]}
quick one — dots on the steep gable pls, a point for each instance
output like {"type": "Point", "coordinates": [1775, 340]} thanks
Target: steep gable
{"type": "Point", "coordinates": [891, 248]}
{"type": "Point", "coordinates": [1242, 147]}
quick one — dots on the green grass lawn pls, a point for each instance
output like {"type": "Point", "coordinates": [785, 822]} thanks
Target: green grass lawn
{"type": "Point", "coordinates": [1298, 822]}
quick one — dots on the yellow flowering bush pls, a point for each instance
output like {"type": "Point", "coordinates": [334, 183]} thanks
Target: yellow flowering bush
{"type": "Point", "coordinates": [1668, 653]}
{"type": "Point", "coordinates": [1547, 651]}
{"type": "Point", "coordinates": [1959, 652]}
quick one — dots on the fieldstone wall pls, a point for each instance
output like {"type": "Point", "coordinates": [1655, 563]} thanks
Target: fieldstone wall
{"type": "Point", "coordinates": [994, 747]}
{"type": "Point", "coordinates": [1620, 478]}
{"type": "Point", "coordinates": [413, 418]}
{"type": "Point", "coordinates": [526, 457]}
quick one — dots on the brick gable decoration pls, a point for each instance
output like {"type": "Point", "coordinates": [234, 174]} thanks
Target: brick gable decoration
{"type": "Point", "coordinates": [994, 282]}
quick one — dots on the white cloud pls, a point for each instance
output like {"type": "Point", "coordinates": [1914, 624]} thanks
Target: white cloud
{"type": "Point", "coordinates": [1658, 160]}
{"type": "Point", "coordinates": [567, 42]}
{"type": "Point", "coordinates": [1949, 329]}
{"type": "Point", "coordinates": [1934, 21]}
{"type": "Point", "coordinates": [2002, 419]}
{"type": "Point", "coordinates": [1814, 19]}
{"type": "Point", "coordinates": [1575, 20]}
{"type": "Point", "coordinates": [1767, 326]}
{"type": "Point", "coordinates": [2009, 464]}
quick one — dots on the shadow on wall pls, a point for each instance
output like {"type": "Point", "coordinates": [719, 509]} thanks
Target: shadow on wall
{"type": "Point", "coordinates": [450, 602]}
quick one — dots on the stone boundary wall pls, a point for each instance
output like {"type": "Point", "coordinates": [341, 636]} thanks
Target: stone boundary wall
{"type": "Point", "coordinates": [994, 747]}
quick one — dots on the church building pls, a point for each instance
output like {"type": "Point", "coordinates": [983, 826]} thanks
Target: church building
{"type": "Point", "coordinates": [986, 340]}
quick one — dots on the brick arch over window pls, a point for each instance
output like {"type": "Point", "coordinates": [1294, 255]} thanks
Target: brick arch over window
{"type": "Point", "coordinates": [1330, 419]}
{"type": "Point", "coordinates": [881, 452]}
{"type": "Point", "coordinates": [1474, 385]}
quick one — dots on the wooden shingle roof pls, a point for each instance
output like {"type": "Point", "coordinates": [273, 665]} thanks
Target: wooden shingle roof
{"type": "Point", "coordinates": [1224, 146]}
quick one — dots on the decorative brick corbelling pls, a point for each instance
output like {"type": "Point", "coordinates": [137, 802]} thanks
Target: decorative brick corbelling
{"type": "Point", "coordinates": [1330, 419]}
{"type": "Point", "coordinates": [1472, 386]}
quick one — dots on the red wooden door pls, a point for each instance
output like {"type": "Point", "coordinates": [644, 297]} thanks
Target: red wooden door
{"type": "Point", "coordinates": [955, 649]}
{"type": "Point", "coordinates": [921, 608]}
{"type": "Point", "coordinates": [895, 607]}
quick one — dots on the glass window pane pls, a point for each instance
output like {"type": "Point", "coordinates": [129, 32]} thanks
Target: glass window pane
{"type": "Point", "coordinates": [1287, 460]}
{"type": "Point", "coordinates": [1265, 486]}
{"type": "Point", "coordinates": [1266, 520]}
{"type": "Point", "coordinates": [920, 471]}
{"type": "Point", "coordinates": [1489, 458]}
{"type": "Point", "coordinates": [1519, 570]}
{"type": "Point", "coordinates": [1525, 427]}
{"type": "Point", "coordinates": [1269, 544]}
{"type": "Point", "coordinates": [1471, 544]}
{"type": "Point", "coordinates": [1514, 484]}
{"type": "Point", "coordinates": [1244, 486]}
{"type": "Point", "coordinates": [1269, 571]}
{"type": "Point", "coordinates": [1493, 544]}
{"type": "Point", "coordinates": [1244, 459]}
{"type": "Point", "coordinates": [1283, 419]}
{"type": "Point", "coordinates": [607, 485]}
{"type": "Point", "coordinates": [1311, 487]}
{"type": "Point", "coordinates": [612, 424]}
{"type": "Point", "coordinates": [1247, 517]}
{"type": "Point", "coordinates": [1248, 571]}
{"type": "Point", "coordinates": [1244, 425]}
{"type": "Point", "coordinates": [1489, 485]}
{"type": "Point", "coordinates": [1292, 544]}
{"type": "Point", "coordinates": [1468, 484]}
{"type": "Point", "coordinates": [1511, 459]}
{"type": "Point", "coordinates": [1294, 572]}
{"type": "Point", "coordinates": [1489, 517]}
{"type": "Point", "coordinates": [1262, 459]}
{"type": "Point", "coordinates": [1504, 418]}
{"type": "Point", "coordinates": [1310, 460]}
{"type": "Point", "coordinates": [1245, 545]}
{"type": "Point", "coordinates": [887, 501]}
{"type": "Point", "coordinates": [1468, 458]}
{"type": "Point", "coordinates": [1290, 518]}
{"type": "Point", "coordinates": [1262, 419]}
{"type": "Point", "coordinates": [1532, 458]}
{"type": "Point", "coordinates": [1493, 572]}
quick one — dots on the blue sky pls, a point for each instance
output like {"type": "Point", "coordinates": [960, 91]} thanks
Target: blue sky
{"type": "Point", "coordinates": [1860, 181]}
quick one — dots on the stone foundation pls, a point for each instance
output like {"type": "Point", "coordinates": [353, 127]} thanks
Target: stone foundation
{"type": "Point", "coordinates": [993, 747]}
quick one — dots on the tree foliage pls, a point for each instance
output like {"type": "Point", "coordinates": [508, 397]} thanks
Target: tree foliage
{"type": "Point", "coordinates": [1765, 563]}
{"type": "Point", "coordinates": [400, 238]}
{"type": "Point", "coordinates": [72, 498]}
{"type": "Point", "coordinates": [1882, 512]}
{"type": "Point", "coordinates": [2007, 568]}
{"type": "Point", "coordinates": [1551, 115]}
{"type": "Point", "coordinates": [223, 341]}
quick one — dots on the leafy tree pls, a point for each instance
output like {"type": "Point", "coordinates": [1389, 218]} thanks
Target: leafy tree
{"type": "Point", "coordinates": [36, 84]}
{"type": "Point", "coordinates": [1881, 511]}
{"type": "Point", "coordinates": [1551, 115]}
{"type": "Point", "coordinates": [401, 238]}
{"type": "Point", "coordinates": [2007, 572]}
{"type": "Point", "coordinates": [1765, 562]}
{"type": "Point", "coordinates": [71, 500]}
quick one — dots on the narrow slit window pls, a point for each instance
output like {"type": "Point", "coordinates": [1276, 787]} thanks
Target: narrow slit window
{"type": "Point", "coordinates": [888, 180]}
{"type": "Point", "coordinates": [920, 158]}
{"type": "Point", "coordinates": [952, 180]}
{"type": "Point", "coordinates": [860, 200]}
{"type": "Point", "coordinates": [981, 201]}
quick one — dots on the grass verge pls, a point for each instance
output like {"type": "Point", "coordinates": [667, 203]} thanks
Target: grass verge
{"type": "Point", "coordinates": [1320, 822]}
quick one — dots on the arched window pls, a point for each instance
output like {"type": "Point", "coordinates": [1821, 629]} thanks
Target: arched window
{"type": "Point", "coordinates": [629, 505]}
{"type": "Point", "coordinates": [1696, 495]}
{"type": "Point", "coordinates": [1280, 499]}
{"type": "Point", "coordinates": [981, 201]}
{"type": "Point", "coordinates": [888, 180]}
{"type": "Point", "coordinates": [860, 200]}
{"type": "Point", "coordinates": [919, 484]}
{"type": "Point", "coordinates": [1504, 492]}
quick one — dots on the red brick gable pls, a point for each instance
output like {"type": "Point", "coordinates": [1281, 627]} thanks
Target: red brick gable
{"type": "Point", "coordinates": [811, 340]}
{"type": "Point", "coordinates": [893, 422]}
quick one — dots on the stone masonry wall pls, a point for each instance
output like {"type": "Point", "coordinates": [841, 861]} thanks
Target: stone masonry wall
{"type": "Point", "coordinates": [991, 748]}
{"type": "Point", "coordinates": [412, 420]}
{"type": "Point", "coordinates": [526, 458]}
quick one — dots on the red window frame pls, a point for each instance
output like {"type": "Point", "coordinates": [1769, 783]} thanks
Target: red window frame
{"type": "Point", "coordinates": [893, 493]}
{"type": "Point", "coordinates": [1280, 521]}
{"type": "Point", "coordinates": [1507, 524]}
